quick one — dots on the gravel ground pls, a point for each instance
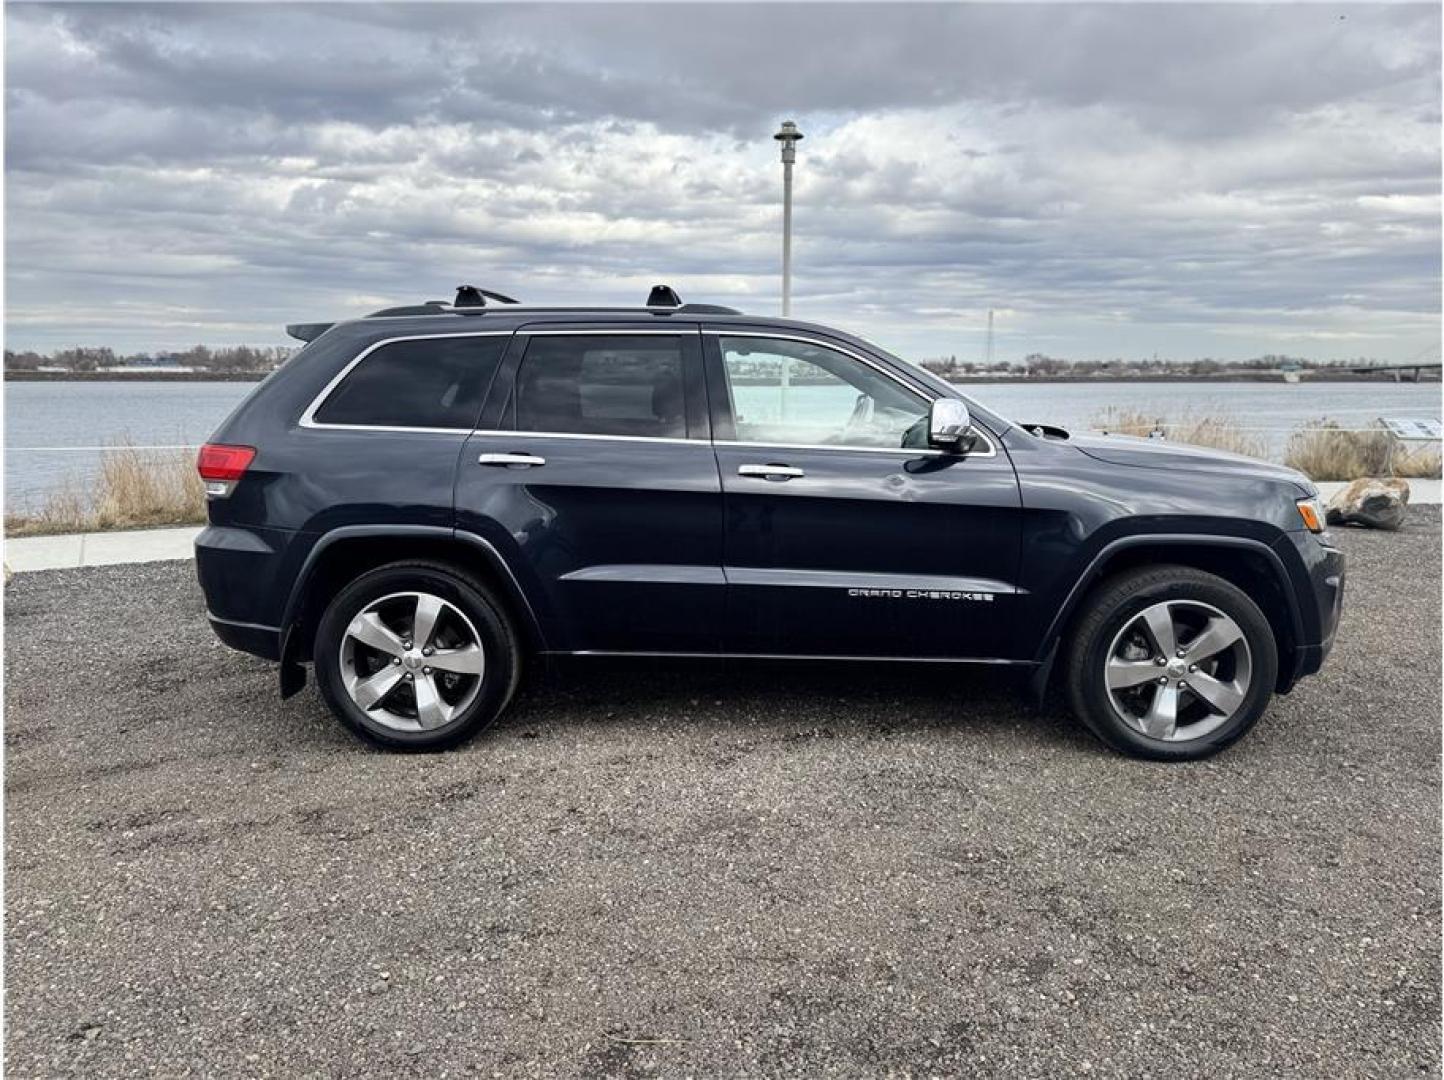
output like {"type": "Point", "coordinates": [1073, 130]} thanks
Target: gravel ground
{"type": "Point", "coordinates": [705, 870]}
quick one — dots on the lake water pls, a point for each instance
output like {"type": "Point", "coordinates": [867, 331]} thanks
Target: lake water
{"type": "Point", "coordinates": [53, 428]}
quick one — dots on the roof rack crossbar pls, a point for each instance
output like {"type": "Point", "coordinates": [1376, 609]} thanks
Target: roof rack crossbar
{"type": "Point", "coordinates": [471, 296]}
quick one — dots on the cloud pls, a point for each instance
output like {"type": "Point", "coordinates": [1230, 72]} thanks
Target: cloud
{"type": "Point", "coordinates": [1191, 180]}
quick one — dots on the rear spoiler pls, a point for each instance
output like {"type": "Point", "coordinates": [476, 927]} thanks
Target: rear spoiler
{"type": "Point", "coordinates": [308, 331]}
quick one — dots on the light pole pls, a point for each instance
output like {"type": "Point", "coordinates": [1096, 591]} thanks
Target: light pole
{"type": "Point", "coordinates": [789, 137]}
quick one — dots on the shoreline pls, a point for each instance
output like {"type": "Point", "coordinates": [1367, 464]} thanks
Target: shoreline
{"type": "Point", "coordinates": [1268, 378]}
{"type": "Point", "coordinates": [114, 376]}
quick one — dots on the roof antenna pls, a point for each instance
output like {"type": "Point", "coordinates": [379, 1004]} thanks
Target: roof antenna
{"type": "Point", "coordinates": [663, 296]}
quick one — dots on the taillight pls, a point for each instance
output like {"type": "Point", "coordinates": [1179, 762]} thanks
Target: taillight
{"type": "Point", "coordinates": [221, 466]}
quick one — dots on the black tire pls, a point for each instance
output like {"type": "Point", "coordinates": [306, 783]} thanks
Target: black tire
{"type": "Point", "coordinates": [473, 599]}
{"type": "Point", "coordinates": [1118, 601]}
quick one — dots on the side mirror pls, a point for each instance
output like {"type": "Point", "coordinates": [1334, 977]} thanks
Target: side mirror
{"type": "Point", "coordinates": [950, 426]}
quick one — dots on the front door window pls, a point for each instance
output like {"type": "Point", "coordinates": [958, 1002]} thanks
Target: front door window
{"type": "Point", "coordinates": [796, 393]}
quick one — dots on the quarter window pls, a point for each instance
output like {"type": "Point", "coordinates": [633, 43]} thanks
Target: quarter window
{"type": "Point", "coordinates": [432, 383]}
{"type": "Point", "coordinates": [602, 385]}
{"type": "Point", "coordinates": [795, 392]}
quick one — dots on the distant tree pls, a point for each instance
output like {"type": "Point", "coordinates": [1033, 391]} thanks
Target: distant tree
{"type": "Point", "coordinates": [198, 356]}
{"type": "Point", "coordinates": [233, 360]}
{"type": "Point", "coordinates": [1038, 364]}
{"type": "Point", "coordinates": [23, 361]}
{"type": "Point", "coordinates": [84, 359]}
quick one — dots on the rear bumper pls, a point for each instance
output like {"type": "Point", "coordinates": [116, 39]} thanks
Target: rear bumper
{"type": "Point", "coordinates": [253, 638]}
{"type": "Point", "coordinates": [245, 573]}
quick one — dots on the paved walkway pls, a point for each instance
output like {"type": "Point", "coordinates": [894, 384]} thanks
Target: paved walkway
{"type": "Point", "coordinates": [157, 545]}
{"type": "Point", "coordinates": [99, 548]}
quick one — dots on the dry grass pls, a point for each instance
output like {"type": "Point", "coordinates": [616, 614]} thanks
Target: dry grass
{"type": "Point", "coordinates": [135, 490]}
{"type": "Point", "coordinates": [1321, 449]}
{"type": "Point", "coordinates": [1325, 451]}
{"type": "Point", "coordinates": [1211, 431]}
{"type": "Point", "coordinates": [1423, 462]}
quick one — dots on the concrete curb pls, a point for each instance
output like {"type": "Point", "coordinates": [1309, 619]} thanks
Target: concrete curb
{"type": "Point", "coordinates": [158, 545]}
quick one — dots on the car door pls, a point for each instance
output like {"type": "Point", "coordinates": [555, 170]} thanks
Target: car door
{"type": "Point", "coordinates": [845, 534]}
{"type": "Point", "coordinates": [593, 475]}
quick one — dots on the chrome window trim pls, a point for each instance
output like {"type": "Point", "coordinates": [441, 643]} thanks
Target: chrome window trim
{"type": "Point", "coordinates": [929, 452]}
{"type": "Point", "coordinates": [489, 432]}
{"type": "Point", "coordinates": [308, 418]}
{"type": "Point", "coordinates": [390, 427]}
{"type": "Point", "coordinates": [920, 452]}
{"type": "Point", "coordinates": [918, 391]}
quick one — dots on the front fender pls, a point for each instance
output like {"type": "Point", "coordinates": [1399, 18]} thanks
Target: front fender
{"type": "Point", "coordinates": [1098, 565]}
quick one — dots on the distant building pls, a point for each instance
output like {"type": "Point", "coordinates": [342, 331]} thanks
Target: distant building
{"type": "Point", "coordinates": [148, 368]}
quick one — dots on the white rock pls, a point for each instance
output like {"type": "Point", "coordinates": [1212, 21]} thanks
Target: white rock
{"type": "Point", "coordinates": [1376, 503]}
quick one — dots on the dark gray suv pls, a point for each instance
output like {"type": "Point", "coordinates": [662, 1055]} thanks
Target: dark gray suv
{"type": "Point", "coordinates": [421, 499]}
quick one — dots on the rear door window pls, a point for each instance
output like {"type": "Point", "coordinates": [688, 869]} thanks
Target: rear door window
{"type": "Point", "coordinates": [424, 383]}
{"type": "Point", "coordinates": [600, 384]}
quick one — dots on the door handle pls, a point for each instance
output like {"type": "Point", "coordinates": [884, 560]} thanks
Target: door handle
{"type": "Point", "coordinates": [518, 461]}
{"type": "Point", "coordinates": [770, 472]}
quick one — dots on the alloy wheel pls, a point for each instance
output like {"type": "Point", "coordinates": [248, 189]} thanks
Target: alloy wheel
{"type": "Point", "coordinates": [1178, 670]}
{"type": "Point", "coordinates": [412, 661]}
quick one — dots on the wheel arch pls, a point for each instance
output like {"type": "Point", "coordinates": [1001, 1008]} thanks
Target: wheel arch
{"type": "Point", "coordinates": [1250, 564]}
{"type": "Point", "coordinates": [343, 554]}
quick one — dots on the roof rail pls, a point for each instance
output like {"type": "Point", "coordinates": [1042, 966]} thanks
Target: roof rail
{"type": "Point", "coordinates": [470, 300]}
{"type": "Point", "coordinates": [431, 307]}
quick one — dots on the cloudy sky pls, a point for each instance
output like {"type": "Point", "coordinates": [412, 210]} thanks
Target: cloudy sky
{"type": "Point", "coordinates": [1114, 180]}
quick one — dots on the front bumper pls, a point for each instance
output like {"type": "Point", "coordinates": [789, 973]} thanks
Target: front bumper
{"type": "Point", "coordinates": [1321, 600]}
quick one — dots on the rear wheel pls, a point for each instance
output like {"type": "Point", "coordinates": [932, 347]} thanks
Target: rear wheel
{"type": "Point", "coordinates": [1171, 663]}
{"type": "Point", "coordinates": [416, 656]}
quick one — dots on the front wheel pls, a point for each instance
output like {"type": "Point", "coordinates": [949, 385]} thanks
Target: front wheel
{"type": "Point", "coordinates": [1171, 663]}
{"type": "Point", "coordinates": [416, 656]}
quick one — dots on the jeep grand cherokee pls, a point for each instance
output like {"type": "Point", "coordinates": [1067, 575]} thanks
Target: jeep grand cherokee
{"type": "Point", "coordinates": [420, 499]}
